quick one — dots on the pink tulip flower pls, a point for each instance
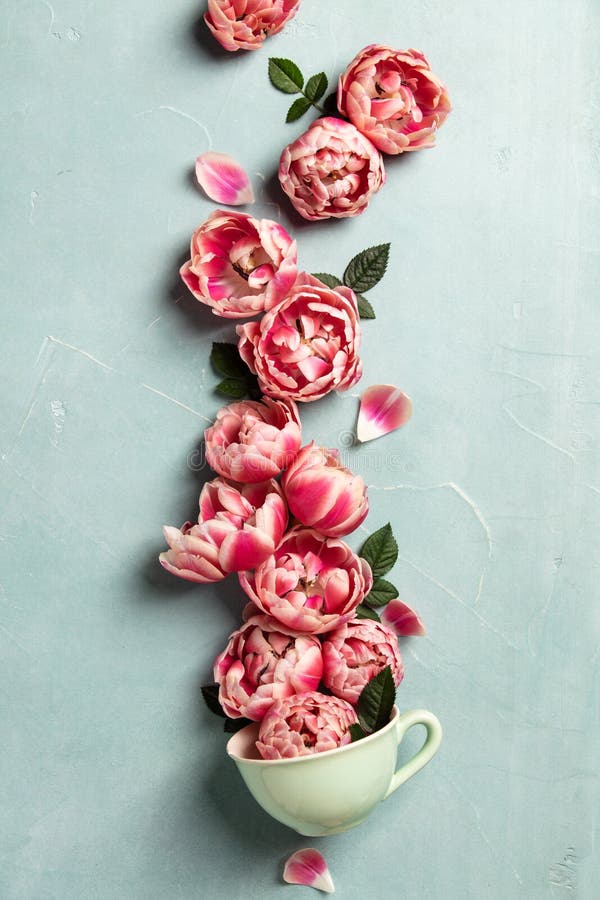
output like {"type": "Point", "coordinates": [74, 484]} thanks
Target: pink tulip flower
{"type": "Point", "coordinates": [239, 526]}
{"type": "Point", "coordinates": [240, 266]}
{"type": "Point", "coordinates": [323, 494]}
{"type": "Point", "coordinates": [355, 653]}
{"type": "Point", "coordinates": [393, 98]}
{"type": "Point", "coordinates": [304, 724]}
{"type": "Point", "coordinates": [261, 664]}
{"type": "Point", "coordinates": [244, 24]}
{"type": "Point", "coordinates": [331, 170]}
{"type": "Point", "coordinates": [311, 584]}
{"type": "Point", "coordinates": [306, 346]}
{"type": "Point", "coordinates": [252, 441]}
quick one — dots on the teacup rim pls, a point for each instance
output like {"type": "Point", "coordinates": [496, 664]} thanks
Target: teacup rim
{"type": "Point", "coordinates": [310, 756]}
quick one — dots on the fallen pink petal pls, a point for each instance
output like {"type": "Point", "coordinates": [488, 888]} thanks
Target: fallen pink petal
{"type": "Point", "coordinates": [223, 179]}
{"type": "Point", "coordinates": [383, 408]}
{"type": "Point", "coordinates": [403, 619]}
{"type": "Point", "coordinates": [308, 867]}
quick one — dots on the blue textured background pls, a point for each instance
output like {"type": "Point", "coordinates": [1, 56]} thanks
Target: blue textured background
{"type": "Point", "coordinates": [116, 783]}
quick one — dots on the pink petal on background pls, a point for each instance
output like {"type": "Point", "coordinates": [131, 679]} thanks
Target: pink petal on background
{"type": "Point", "coordinates": [403, 619]}
{"type": "Point", "coordinates": [383, 408]}
{"type": "Point", "coordinates": [308, 867]}
{"type": "Point", "coordinates": [223, 179]}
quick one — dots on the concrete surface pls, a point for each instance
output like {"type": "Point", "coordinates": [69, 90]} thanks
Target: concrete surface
{"type": "Point", "coordinates": [115, 781]}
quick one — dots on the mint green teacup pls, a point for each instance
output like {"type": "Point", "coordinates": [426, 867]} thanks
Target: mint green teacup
{"type": "Point", "coordinates": [333, 791]}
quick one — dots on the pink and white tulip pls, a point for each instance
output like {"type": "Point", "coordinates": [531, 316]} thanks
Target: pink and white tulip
{"type": "Point", "coordinates": [331, 170]}
{"type": "Point", "coordinates": [323, 494]}
{"type": "Point", "coordinates": [238, 527]}
{"type": "Point", "coordinates": [311, 584]}
{"type": "Point", "coordinates": [393, 98]}
{"type": "Point", "coordinates": [244, 24]}
{"type": "Point", "coordinates": [240, 266]}
{"type": "Point", "coordinates": [261, 664]}
{"type": "Point", "coordinates": [305, 724]}
{"type": "Point", "coordinates": [223, 179]}
{"type": "Point", "coordinates": [253, 440]}
{"type": "Point", "coordinates": [356, 653]}
{"type": "Point", "coordinates": [306, 346]}
{"type": "Point", "coordinates": [383, 408]}
{"type": "Point", "coordinates": [308, 867]}
{"type": "Point", "coordinates": [403, 619]}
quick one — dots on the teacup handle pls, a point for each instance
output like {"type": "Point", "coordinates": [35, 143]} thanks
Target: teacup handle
{"type": "Point", "coordinates": [427, 751]}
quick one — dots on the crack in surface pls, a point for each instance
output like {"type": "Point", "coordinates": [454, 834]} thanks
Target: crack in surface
{"type": "Point", "coordinates": [484, 622]}
{"type": "Point", "coordinates": [177, 403]}
{"type": "Point", "coordinates": [178, 112]}
{"type": "Point", "coordinates": [451, 485]}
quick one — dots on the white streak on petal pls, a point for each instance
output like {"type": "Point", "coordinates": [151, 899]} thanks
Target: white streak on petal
{"type": "Point", "coordinates": [223, 179]}
{"type": "Point", "coordinates": [308, 867]}
{"type": "Point", "coordinates": [403, 619]}
{"type": "Point", "coordinates": [383, 408]}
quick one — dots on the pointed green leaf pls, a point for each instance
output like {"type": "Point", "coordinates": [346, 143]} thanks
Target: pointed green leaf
{"type": "Point", "coordinates": [225, 358]}
{"type": "Point", "coordinates": [364, 612]}
{"type": "Point", "coordinates": [376, 701]}
{"type": "Point", "coordinates": [367, 268]}
{"type": "Point", "coordinates": [232, 387]}
{"type": "Point", "coordinates": [316, 86]}
{"type": "Point", "coordinates": [285, 75]}
{"type": "Point", "coordinates": [380, 550]}
{"type": "Point", "coordinates": [381, 593]}
{"type": "Point", "coordinates": [232, 726]}
{"type": "Point", "coordinates": [297, 109]}
{"type": "Point", "coordinates": [210, 692]}
{"type": "Point", "coordinates": [330, 281]}
{"type": "Point", "coordinates": [365, 310]}
{"type": "Point", "coordinates": [356, 732]}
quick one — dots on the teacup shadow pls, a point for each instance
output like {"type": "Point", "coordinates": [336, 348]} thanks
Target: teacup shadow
{"type": "Point", "coordinates": [230, 801]}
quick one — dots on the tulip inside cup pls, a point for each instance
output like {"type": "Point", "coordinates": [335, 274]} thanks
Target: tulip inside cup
{"type": "Point", "coordinates": [330, 792]}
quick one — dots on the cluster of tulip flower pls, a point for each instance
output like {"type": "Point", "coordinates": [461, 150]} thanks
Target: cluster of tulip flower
{"type": "Point", "coordinates": [311, 643]}
{"type": "Point", "coordinates": [301, 630]}
{"type": "Point", "coordinates": [387, 101]}
{"type": "Point", "coordinates": [276, 512]}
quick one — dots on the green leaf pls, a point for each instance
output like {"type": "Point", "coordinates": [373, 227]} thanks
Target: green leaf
{"type": "Point", "coordinates": [225, 358]}
{"type": "Point", "coordinates": [316, 86]}
{"type": "Point", "coordinates": [232, 387]}
{"type": "Point", "coordinates": [364, 612]}
{"type": "Point", "coordinates": [365, 310]}
{"type": "Point", "coordinates": [380, 550]}
{"type": "Point", "coordinates": [376, 701]}
{"type": "Point", "coordinates": [297, 109]}
{"type": "Point", "coordinates": [330, 281]}
{"type": "Point", "coordinates": [330, 104]}
{"type": "Point", "coordinates": [210, 692]}
{"type": "Point", "coordinates": [356, 732]}
{"type": "Point", "coordinates": [367, 268]}
{"type": "Point", "coordinates": [285, 76]}
{"type": "Point", "coordinates": [381, 593]}
{"type": "Point", "coordinates": [232, 726]}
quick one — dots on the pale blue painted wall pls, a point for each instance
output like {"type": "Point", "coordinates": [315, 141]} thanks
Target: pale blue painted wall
{"type": "Point", "coordinates": [116, 785]}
